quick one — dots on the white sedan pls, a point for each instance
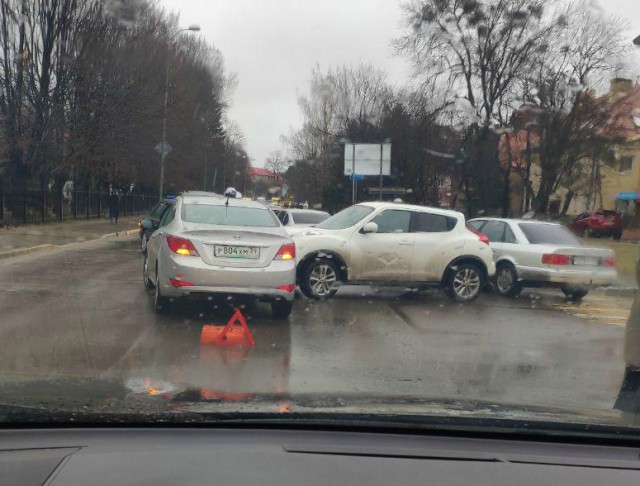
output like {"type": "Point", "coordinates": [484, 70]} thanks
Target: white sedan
{"type": "Point", "coordinates": [294, 217]}
{"type": "Point", "coordinates": [532, 253]}
{"type": "Point", "coordinates": [393, 244]}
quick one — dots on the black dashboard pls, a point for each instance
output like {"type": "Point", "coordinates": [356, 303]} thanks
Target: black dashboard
{"type": "Point", "coordinates": [266, 457]}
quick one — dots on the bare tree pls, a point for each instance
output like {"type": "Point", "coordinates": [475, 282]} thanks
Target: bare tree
{"type": "Point", "coordinates": [81, 94]}
{"type": "Point", "coordinates": [342, 103]}
{"type": "Point", "coordinates": [480, 49]}
{"type": "Point", "coordinates": [571, 120]}
{"type": "Point", "coordinates": [277, 163]}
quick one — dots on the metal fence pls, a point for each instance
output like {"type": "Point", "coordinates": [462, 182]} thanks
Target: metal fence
{"type": "Point", "coordinates": [38, 206]}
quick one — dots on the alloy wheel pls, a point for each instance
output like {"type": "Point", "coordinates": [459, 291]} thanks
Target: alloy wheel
{"type": "Point", "coordinates": [322, 280]}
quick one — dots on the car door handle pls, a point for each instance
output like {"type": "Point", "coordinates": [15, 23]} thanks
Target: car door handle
{"type": "Point", "coordinates": [405, 243]}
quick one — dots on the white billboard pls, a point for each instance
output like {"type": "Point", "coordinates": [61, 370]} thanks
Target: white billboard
{"type": "Point", "coordinates": [368, 158]}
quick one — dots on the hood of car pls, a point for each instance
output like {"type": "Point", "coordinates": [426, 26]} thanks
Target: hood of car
{"type": "Point", "coordinates": [310, 231]}
{"type": "Point", "coordinates": [118, 404]}
{"type": "Point", "coordinates": [157, 402]}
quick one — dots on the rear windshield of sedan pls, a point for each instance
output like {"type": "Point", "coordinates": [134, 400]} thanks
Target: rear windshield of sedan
{"type": "Point", "coordinates": [309, 217]}
{"type": "Point", "coordinates": [548, 234]}
{"type": "Point", "coordinates": [345, 218]}
{"type": "Point", "coordinates": [228, 215]}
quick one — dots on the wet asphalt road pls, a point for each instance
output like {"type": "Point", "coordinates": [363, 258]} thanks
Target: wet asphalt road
{"type": "Point", "coordinates": [83, 312]}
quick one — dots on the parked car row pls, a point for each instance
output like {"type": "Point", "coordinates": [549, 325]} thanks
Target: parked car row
{"type": "Point", "coordinates": [203, 244]}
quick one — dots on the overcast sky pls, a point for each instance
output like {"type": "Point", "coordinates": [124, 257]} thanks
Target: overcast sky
{"type": "Point", "coordinates": [272, 46]}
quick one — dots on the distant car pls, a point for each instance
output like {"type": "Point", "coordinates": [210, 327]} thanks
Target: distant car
{"type": "Point", "coordinates": [393, 244]}
{"type": "Point", "coordinates": [208, 245]}
{"type": "Point", "coordinates": [597, 224]}
{"type": "Point", "coordinates": [149, 224]}
{"type": "Point", "coordinates": [300, 217]}
{"type": "Point", "coordinates": [533, 253]}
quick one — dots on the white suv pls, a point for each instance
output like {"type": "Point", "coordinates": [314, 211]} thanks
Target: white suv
{"type": "Point", "coordinates": [403, 244]}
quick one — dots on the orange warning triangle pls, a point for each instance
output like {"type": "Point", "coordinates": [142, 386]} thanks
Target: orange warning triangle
{"type": "Point", "coordinates": [230, 334]}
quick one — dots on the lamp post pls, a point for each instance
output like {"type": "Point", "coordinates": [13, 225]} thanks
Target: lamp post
{"type": "Point", "coordinates": [163, 151]}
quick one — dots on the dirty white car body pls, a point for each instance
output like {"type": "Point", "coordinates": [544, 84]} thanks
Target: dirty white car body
{"type": "Point", "coordinates": [393, 244]}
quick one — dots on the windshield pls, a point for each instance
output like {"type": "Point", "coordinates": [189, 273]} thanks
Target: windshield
{"type": "Point", "coordinates": [230, 215]}
{"type": "Point", "coordinates": [548, 234]}
{"type": "Point", "coordinates": [345, 218]}
{"type": "Point", "coordinates": [310, 217]}
{"type": "Point", "coordinates": [261, 206]}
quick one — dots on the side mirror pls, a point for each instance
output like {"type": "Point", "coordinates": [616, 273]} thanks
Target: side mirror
{"type": "Point", "coordinates": [146, 224]}
{"type": "Point", "coordinates": [370, 227]}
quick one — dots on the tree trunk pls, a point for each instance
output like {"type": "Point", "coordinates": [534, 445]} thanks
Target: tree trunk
{"type": "Point", "coordinates": [506, 184]}
{"type": "Point", "coordinates": [506, 192]}
{"type": "Point", "coordinates": [567, 202]}
{"type": "Point", "coordinates": [527, 181]}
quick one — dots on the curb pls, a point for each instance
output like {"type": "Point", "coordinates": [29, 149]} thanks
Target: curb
{"type": "Point", "coordinates": [621, 291]}
{"type": "Point", "coordinates": [118, 233]}
{"type": "Point", "coordinates": [23, 251]}
{"type": "Point", "coordinates": [49, 246]}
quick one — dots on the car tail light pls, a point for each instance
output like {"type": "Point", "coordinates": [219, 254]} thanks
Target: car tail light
{"type": "Point", "coordinates": [286, 252]}
{"type": "Point", "coordinates": [556, 259]}
{"type": "Point", "coordinates": [288, 288]}
{"type": "Point", "coordinates": [179, 283]}
{"type": "Point", "coordinates": [484, 238]}
{"type": "Point", "coordinates": [609, 262]}
{"type": "Point", "coordinates": [181, 246]}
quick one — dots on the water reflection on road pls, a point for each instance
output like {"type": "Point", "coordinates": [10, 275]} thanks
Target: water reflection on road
{"type": "Point", "coordinates": [172, 352]}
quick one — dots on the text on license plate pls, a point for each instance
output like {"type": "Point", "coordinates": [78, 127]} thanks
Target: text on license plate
{"type": "Point", "coordinates": [593, 261]}
{"type": "Point", "coordinates": [226, 251]}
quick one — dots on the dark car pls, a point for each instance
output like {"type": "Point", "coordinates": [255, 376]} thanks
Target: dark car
{"type": "Point", "coordinates": [597, 224]}
{"type": "Point", "coordinates": [149, 224]}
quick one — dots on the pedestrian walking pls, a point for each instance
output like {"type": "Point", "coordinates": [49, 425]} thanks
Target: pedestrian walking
{"type": "Point", "coordinates": [629, 397]}
{"type": "Point", "coordinates": [114, 207]}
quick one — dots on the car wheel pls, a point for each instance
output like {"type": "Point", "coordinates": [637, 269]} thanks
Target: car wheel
{"type": "Point", "coordinates": [145, 273]}
{"type": "Point", "coordinates": [319, 279]}
{"type": "Point", "coordinates": [281, 309]}
{"type": "Point", "coordinates": [617, 235]}
{"type": "Point", "coordinates": [464, 283]}
{"type": "Point", "coordinates": [587, 233]}
{"type": "Point", "coordinates": [162, 303]}
{"type": "Point", "coordinates": [506, 281]}
{"type": "Point", "coordinates": [143, 243]}
{"type": "Point", "coordinates": [574, 292]}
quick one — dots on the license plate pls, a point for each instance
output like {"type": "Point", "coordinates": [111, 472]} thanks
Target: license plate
{"type": "Point", "coordinates": [588, 261]}
{"type": "Point", "coordinates": [227, 251]}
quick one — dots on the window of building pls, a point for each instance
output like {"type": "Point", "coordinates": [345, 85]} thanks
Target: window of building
{"type": "Point", "coordinates": [626, 163]}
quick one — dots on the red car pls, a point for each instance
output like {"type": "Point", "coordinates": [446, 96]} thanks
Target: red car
{"type": "Point", "coordinates": [597, 224]}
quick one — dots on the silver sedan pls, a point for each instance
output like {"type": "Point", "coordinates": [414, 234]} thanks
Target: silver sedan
{"type": "Point", "coordinates": [209, 244]}
{"type": "Point", "coordinates": [533, 253]}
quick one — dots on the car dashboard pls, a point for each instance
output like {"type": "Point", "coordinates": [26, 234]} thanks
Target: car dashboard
{"type": "Point", "coordinates": [123, 456]}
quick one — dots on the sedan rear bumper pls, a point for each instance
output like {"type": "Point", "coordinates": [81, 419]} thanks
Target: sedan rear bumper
{"type": "Point", "coordinates": [569, 276]}
{"type": "Point", "coordinates": [214, 279]}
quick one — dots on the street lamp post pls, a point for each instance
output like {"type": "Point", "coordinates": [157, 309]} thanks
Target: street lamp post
{"type": "Point", "coordinates": [163, 151]}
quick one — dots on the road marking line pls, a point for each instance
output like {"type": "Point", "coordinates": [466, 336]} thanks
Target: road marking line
{"type": "Point", "coordinates": [594, 312]}
{"type": "Point", "coordinates": [599, 311]}
{"type": "Point", "coordinates": [601, 320]}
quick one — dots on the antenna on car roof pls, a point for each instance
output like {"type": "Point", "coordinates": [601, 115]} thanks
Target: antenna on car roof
{"type": "Point", "coordinates": [230, 192]}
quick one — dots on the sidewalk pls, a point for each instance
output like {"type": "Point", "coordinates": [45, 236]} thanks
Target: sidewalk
{"type": "Point", "coordinates": [23, 239]}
